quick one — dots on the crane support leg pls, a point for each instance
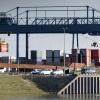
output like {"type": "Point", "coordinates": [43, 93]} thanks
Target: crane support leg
{"type": "Point", "coordinates": [73, 41]}
{"type": "Point", "coordinates": [17, 53]}
{"type": "Point", "coordinates": [26, 47]}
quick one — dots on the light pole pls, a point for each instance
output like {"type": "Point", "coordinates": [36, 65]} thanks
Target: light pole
{"type": "Point", "coordinates": [64, 48]}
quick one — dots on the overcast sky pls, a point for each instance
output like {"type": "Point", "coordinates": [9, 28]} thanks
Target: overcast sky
{"type": "Point", "coordinates": [46, 42]}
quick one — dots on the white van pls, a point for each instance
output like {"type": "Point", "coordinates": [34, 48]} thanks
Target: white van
{"type": "Point", "coordinates": [2, 70]}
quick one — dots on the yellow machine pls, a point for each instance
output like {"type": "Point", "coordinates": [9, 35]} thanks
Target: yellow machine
{"type": "Point", "coordinates": [2, 41]}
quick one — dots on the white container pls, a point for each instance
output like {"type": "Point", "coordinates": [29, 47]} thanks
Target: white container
{"type": "Point", "coordinates": [12, 59]}
{"type": "Point", "coordinates": [49, 53]}
{"type": "Point", "coordinates": [49, 60]}
{"type": "Point", "coordinates": [56, 60]}
{"type": "Point", "coordinates": [61, 53]}
{"type": "Point", "coordinates": [56, 53]}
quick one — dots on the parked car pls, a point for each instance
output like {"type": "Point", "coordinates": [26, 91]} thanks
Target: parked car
{"type": "Point", "coordinates": [57, 72]}
{"type": "Point", "coordinates": [88, 70]}
{"type": "Point", "coordinates": [46, 72]}
{"type": "Point", "coordinates": [2, 70]}
{"type": "Point", "coordinates": [36, 71]}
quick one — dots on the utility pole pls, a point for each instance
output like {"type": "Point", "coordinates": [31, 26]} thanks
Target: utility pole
{"type": "Point", "coordinates": [64, 48]}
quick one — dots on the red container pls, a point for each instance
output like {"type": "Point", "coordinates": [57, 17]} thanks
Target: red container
{"type": "Point", "coordinates": [84, 52]}
{"type": "Point", "coordinates": [95, 53]}
{"type": "Point", "coordinates": [67, 60]}
{"type": "Point", "coordinates": [74, 59]}
{"type": "Point", "coordinates": [86, 60]}
{"type": "Point", "coordinates": [74, 52]}
{"type": "Point", "coordinates": [96, 60]}
{"type": "Point", "coordinates": [3, 47]}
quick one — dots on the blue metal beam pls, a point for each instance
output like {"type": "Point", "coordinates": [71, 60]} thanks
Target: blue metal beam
{"type": "Point", "coordinates": [40, 29]}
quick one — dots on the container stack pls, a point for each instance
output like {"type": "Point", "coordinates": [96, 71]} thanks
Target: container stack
{"type": "Point", "coordinates": [81, 56]}
{"type": "Point", "coordinates": [8, 59]}
{"type": "Point", "coordinates": [56, 57]}
{"type": "Point", "coordinates": [95, 57]}
{"type": "Point", "coordinates": [74, 56]}
{"type": "Point", "coordinates": [36, 56]}
{"type": "Point", "coordinates": [3, 46]}
{"type": "Point", "coordinates": [67, 61]}
{"type": "Point", "coordinates": [22, 60]}
{"type": "Point", "coordinates": [49, 56]}
{"type": "Point", "coordinates": [85, 56]}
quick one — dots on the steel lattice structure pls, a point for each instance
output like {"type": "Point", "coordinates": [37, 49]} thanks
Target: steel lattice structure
{"type": "Point", "coordinates": [52, 19]}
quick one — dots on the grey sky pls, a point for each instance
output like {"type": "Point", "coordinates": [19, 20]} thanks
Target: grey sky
{"type": "Point", "coordinates": [45, 41]}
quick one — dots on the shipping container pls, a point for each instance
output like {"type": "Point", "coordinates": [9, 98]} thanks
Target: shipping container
{"type": "Point", "coordinates": [70, 55]}
{"type": "Point", "coordinates": [85, 52]}
{"type": "Point", "coordinates": [35, 54]}
{"type": "Point", "coordinates": [74, 52]}
{"type": "Point", "coordinates": [30, 61]}
{"type": "Point", "coordinates": [81, 59]}
{"type": "Point", "coordinates": [49, 59]}
{"type": "Point", "coordinates": [49, 53]}
{"type": "Point", "coordinates": [74, 59]}
{"type": "Point", "coordinates": [86, 60]}
{"type": "Point", "coordinates": [5, 59]}
{"type": "Point", "coordinates": [12, 59]}
{"type": "Point", "coordinates": [57, 53]}
{"type": "Point", "coordinates": [77, 58]}
{"type": "Point", "coordinates": [67, 61]}
{"type": "Point", "coordinates": [3, 47]}
{"type": "Point", "coordinates": [95, 53]}
{"type": "Point", "coordinates": [39, 54]}
{"type": "Point", "coordinates": [56, 60]}
{"type": "Point", "coordinates": [22, 60]}
{"type": "Point", "coordinates": [61, 53]}
{"type": "Point", "coordinates": [95, 60]}
{"type": "Point", "coordinates": [8, 59]}
{"type": "Point", "coordinates": [37, 60]}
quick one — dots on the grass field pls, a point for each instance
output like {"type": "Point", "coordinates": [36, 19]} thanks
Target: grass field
{"type": "Point", "coordinates": [16, 85]}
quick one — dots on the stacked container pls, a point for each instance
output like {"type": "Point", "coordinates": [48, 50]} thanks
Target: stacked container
{"type": "Point", "coordinates": [57, 57]}
{"type": "Point", "coordinates": [36, 56]}
{"type": "Point", "coordinates": [4, 47]}
{"type": "Point", "coordinates": [95, 56]}
{"type": "Point", "coordinates": [22, 60]}
{"type": "Point", "coordinates": [67, 61]}
{"type": "Point", "coordinates": [49, 56]}
{"type": "Point", "coordinates": [83, 56]}
{"type": "Point", "coordinates": [5, 59]}
{"type": "Point", "coordinates": [75, 57]}
{"type": "Point", "coordinates": [74, 52]}
{"type": "Point", "coordinates": [8, 59]}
